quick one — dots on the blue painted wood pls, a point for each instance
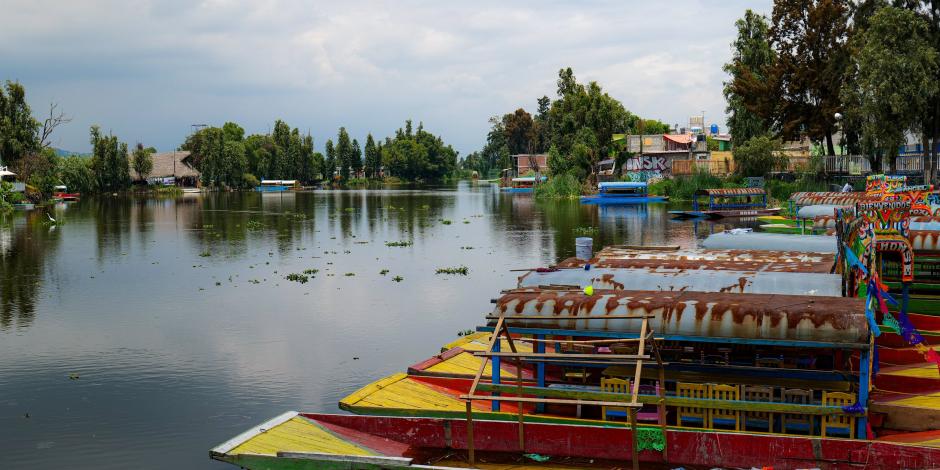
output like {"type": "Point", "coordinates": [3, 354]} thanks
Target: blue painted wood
{"type": "Point", "coordinates": [621, 200]}
{"type": "Point", "coordinates": [864, 381]}
{"type": "Point", "coordinates": [691, 339]}
{"type": "Point", "coordinates": [496, 372]}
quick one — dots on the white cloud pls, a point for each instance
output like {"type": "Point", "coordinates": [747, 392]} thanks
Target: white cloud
{"type": "Point", "coordinates": [148, 69]}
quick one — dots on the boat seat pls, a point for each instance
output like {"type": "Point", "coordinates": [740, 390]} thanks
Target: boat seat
{"type": "Point", "coordinates": [695, 415]}
{"type": "Point", "coordinates": [797, 422]}
{"type": "Point", "coordinates": [839, 424]}
{"type": "Point", "coordinates": [759, 419]}
{"type": "Point", "coordinates": [614, 386]}
{"type": "Point", "coordinates": [731, 418]}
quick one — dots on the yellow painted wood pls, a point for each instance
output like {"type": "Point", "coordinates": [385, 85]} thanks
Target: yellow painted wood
{"type": "Point", "coordinates": [298, 435]}
{"type": "Point", "coordinates": [465, 364]}
{"type": "Point", "coordinates": [927, 401]}
{"type": "Point", "coordinates": [400, 392]}
{"type": "Point", "coordinates": [928, 370]}
{"type": "Point", "coordinates": [459, 342]}
{"type": "Point", "coordinates": [481, 344]}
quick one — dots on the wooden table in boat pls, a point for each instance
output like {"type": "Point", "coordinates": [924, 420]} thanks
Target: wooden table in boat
{"type": "Point", "coordinates": [736, 375]}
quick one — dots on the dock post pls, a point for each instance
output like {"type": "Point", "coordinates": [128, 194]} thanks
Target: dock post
{"type": "Point", "coordinates": [470, 456]}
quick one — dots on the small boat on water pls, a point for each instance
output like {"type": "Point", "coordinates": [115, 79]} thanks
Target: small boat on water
{"type": "Point", "coordinates": [61, 194]}
{"type": "Point", "coordinates": [523, 184]}
{"type": "Point", "coordinates": [276, 185]}
{"type": "Point", "coordinates": [622, 192]}
{"type": "Point", "coordinates": [728, 202]}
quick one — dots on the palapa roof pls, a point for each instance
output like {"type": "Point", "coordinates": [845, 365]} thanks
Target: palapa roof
{"type": "Point", "coordinates": [163, 165]}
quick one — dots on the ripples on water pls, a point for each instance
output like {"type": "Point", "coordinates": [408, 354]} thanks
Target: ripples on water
{"type": "Point", "coordinates": [122, 350]}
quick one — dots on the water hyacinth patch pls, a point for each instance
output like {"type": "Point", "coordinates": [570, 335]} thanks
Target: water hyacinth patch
{"type": "Point", "coordinates": [296, 277]}
{"type": "Point", "coordinates": [461, 270]}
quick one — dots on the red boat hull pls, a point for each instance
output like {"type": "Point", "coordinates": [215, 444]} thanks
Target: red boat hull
{"type": "Point", "coordinates": [684, 447]}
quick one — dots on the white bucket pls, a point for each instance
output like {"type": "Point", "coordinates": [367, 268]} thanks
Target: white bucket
{"type": "Point", "coordinates": [584, 247]}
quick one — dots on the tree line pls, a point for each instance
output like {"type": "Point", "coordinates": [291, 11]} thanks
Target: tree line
{"type": "Point", "coordinates": [224, 156]}
{"type": "Point", "coordinates": [575, 130]}
{"type": "Point", "coordinates": [868, 68]}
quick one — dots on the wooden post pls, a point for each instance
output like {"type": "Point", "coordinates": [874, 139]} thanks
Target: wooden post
{"type": "Point", "coordinates": [470, 456]}
{"type": "Point", "coordinates": [633, 430]}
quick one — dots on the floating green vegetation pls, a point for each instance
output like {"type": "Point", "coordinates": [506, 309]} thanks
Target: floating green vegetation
{"type": "Point", "coordinates": [466, 248]}
{"type": "Point", "coordinates": [297, 277]}
{"type": "Point", "coordinates": [399, 243]}
{"type": "Point", "coordinates": [350, 209]}
{"type": "Point", "coordinates": [446, 221]}
{"type": "Point", "coordinates": [349, 274]}
{"type": "Point", "coordinates": [205, 254]}
{"type": "Point", "coordinates": [462, 270]}
{"type": "Point", "coordinates": [425, 207]}
{"type": "Point", "coordinates": [311, 272]}
{"type": "Point", "coordinates": [207, 225]}
{"type": "Point", "coordinates": [383, 272]}
{"type": "Point", "coordinates": [217, 283]}
{"type": "Point", "coordinates": [254, 281]}
{"type": "Point", "coordinates": [585, 230]}
{"type": "Point", "coordinates": [398, 279]}
{"type": "Point", "coordinates": [254, 225]}
{"type": "Point", "coordinates": [464, 332]}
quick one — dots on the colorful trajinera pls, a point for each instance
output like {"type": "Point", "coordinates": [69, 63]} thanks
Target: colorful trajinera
{"type": "Point", "coordinates": [728, 202]}
{"type": "Point", "coordinates": [622, 192]}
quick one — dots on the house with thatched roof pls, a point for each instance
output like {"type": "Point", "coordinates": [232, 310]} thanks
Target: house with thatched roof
{"type": "Point", "coordinates": [171, 168]}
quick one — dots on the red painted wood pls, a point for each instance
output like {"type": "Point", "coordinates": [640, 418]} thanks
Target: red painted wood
{"type": "Point", "coordinates": [694, 448]}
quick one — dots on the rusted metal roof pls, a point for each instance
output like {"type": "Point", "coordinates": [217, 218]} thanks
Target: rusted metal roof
{"type": "Point", "coordinates": [925, 240]}
{"type": "Point", "coordinates": [700, 280]}
{"type": "Point", "coordinates": [706, 265]}
{"type": "Point", "coordinates": [731, 192]}
{"type": "Point", "coordinates": [748, 316]}
{"type": "Point", "coordinates": [828, 198]}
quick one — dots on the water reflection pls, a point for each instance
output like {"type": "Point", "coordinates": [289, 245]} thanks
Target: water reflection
{"type": "Point", "coordinates": [177, 315]}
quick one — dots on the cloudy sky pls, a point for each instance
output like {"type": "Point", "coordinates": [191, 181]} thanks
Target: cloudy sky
{"type": "Point", "coordinates": [148, 69]}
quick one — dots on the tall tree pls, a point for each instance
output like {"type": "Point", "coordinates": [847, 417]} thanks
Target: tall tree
{"type": "Point", "coordinates": [519, 130]}
{"type": "Point", "coordinates": [143, 161]}
{"type": "Point", "coordinates": [109, 161]}
{"type": "Point", "coordinates": [372, 158]}
{"type": "Point", "coordinates": [809, 37]}
{"type": "Point", "coordinates": [750, 67]}
{"type": "Point", "coordinates": [896, 70]}
{"type": "Point", "coordinates": [330, 161]}
{"type": "Point", "coordinates": [18, 129]}
{"type": "Point", "coordinates": [343, 153]}
{"type": "Point", "coordinates": [356, 158]}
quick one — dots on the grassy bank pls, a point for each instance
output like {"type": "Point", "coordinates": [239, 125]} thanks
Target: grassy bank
{"type": "Point", "coordinates": [559, 187]}
{"type": "Point", "coordinates": [682, 188]}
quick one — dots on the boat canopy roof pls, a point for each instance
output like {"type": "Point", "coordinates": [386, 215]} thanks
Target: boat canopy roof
{"type": "Point", "coordinates": [731, 192]}
{"type": "Point", "coordinates": [621, 185]}
{"type": "Point", "coordinates": [829, 198]}
{"type": "Point", "coordinates": [279, 182]}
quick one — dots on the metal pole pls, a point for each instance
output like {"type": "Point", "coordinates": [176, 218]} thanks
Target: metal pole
{"type": "Point", "coordinates": [470, 456]}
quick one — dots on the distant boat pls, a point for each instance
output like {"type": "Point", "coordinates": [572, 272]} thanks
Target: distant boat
{"type": "Point", "coordinates": [61, 194]}
{"type": "Point", "coordinates": [524, 184]}
{"type": "Point", "coordinates": [728, 202]}
{"type": "Point", "coordinates": [622, 192]}
{"type": "Point", "coordinates": [191, 190]}
{"type": "Point", "coordinates": [276, 185]}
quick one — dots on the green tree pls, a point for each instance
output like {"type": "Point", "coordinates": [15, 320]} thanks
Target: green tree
{"type": "Point", "coordinates": [109, 163]}
{"type": "Point", "coordinates": [343, 153]}
{"type": "Point", "coordinates": [418, 156]}
{"type": "Point", "coordinates": [373, 158]}
{"type": "Point", "coordinates": [329, 161]}
{"type": "Point", "coordinates": [356, 158]}
{"type": "Point", "coordinates": [520, 133]}
{"type": "Point", "coordinates": [809, 38]}
{"type": "Point", "coordinates": [896, 75]}
{"type": "Point", "coordinates": [220, 155]}
{"type": "Point", "coordinates": [758, 156]}
{"type": "Point", "coordinates": [143, 161]}
{"type": "Point", "coordinates": [747, 92]}
{"type": "Point", "coordinates": [18, 129]}
{"type": "Point", "coordinates": [76, 174]}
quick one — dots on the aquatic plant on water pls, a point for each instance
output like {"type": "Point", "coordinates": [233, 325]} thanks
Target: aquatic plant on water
{"type": "Point", "coordinates": [585, 231]}
{"type": "Point", "coordinates": [461, 270]}
{"type": "Point", "coordinates": [296, 277]}
{"type": "Point", "coordinates": [399, 243]}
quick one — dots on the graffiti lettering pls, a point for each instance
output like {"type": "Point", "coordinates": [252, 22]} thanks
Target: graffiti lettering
{"type": "Point", "coordinates": [646, 162]}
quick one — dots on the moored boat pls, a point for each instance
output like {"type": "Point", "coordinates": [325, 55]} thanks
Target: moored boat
{"type": "Point", "coordinates": [728, 202]}
{"type": "Point", "coordinates": [622, 192]}
{"type": "Point", "coordinates": [523, 184]}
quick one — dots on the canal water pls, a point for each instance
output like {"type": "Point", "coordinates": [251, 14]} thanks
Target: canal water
{"type": "Point", "coordinates": [141, 332]}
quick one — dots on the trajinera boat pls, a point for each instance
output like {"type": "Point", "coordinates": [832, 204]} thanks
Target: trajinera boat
{"type": "Point", "coordinates": [523, 184]}
{"type": "Point", "coordinates": [666, 356]}
{"type": "Point", "coordinates": [622, 192]}
{"type": "Point", "coordinates": [728, 202]}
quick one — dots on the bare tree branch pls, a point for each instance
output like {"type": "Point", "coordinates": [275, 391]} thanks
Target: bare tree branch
{"type": "Point", "coordinates": [56, 118]}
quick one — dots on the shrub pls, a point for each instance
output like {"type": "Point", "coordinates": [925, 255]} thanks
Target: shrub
{"type": "Point", "coordinates": [563, 186]}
